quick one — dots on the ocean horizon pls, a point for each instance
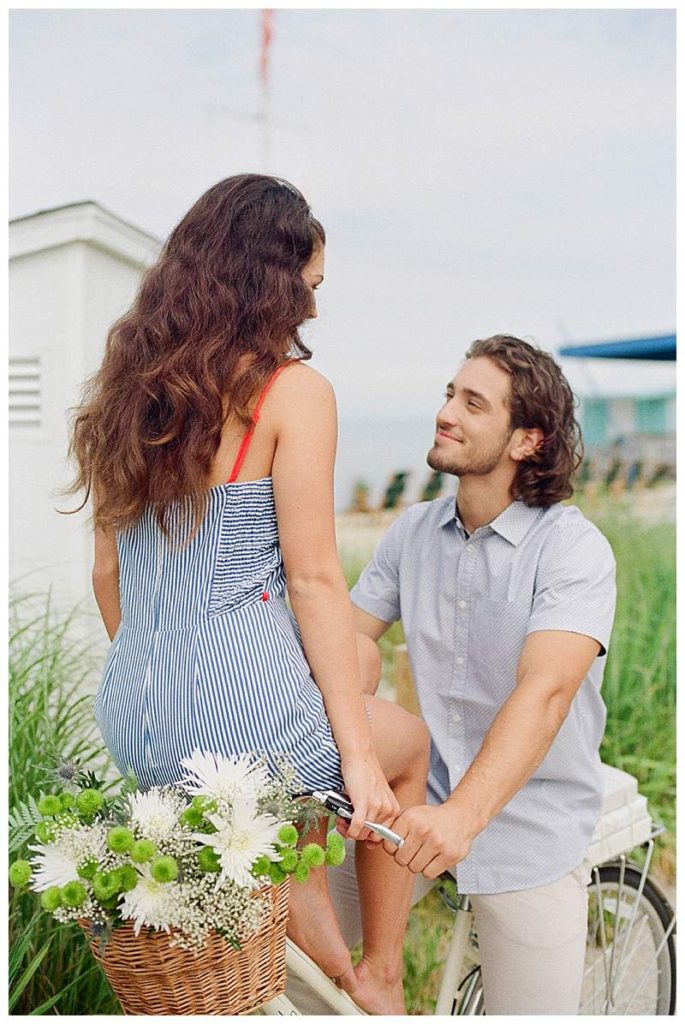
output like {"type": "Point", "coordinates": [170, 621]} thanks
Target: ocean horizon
{"type": "Point", "coordinates": [371, 449]}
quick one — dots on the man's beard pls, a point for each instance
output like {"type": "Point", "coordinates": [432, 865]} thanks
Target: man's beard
{"type": "Point", "coordinates": [480, 464]}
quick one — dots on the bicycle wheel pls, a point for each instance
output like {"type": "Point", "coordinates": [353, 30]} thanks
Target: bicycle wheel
{"type": "Point", "coordinates": [630, 961]}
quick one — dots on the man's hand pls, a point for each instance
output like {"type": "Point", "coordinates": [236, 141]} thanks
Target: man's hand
{"type": "Point", "coordinates": [435, 839]}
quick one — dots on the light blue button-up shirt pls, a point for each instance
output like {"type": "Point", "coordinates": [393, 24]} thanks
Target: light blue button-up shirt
{"type": "Point", "coordinates": [467, 604]}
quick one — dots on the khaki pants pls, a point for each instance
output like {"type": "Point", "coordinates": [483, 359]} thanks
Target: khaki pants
{"type": "Point", "coordinates": [532, 943]}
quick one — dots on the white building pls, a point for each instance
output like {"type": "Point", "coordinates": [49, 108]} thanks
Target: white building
{"type": "Point", "coordinates": [73, 271]}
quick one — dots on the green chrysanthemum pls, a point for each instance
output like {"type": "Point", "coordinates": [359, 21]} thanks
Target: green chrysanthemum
{"type": "Point", "coordinates": [261, 867]}
{"type": "Point", "coordinates": [208, 860]}
{"type": "Point", "coordinates": [276, 874]}
{"type": "Point", "coordinates": [335, 849]}
{"type": "Point", "coordinates": [73, 894]}
{"type": "Point", "coordinates": [289, 860]}
{"type": "Point", "coordinates": [49, 806]}
{"type": "Point", "coordinates": [89, 802]}
{"type": "Point", "coordinates": [288, 835]}
{"type": "Point", "coordinates": [313, 856]}
{"type": "Point", "coordinates": [142, 851]}
{"type": "Point", "coordinates": [44, 833]}
{"type": "Point", "coordinates": [20, 873]}
{"type": "Point", "coordinates": [120, 839]}
{"type": "Point", "coordinates": [104, 885]}
{"type": "Point", "coordinates": [164, 869]}
{"type": "Point", "coordinates": [301, 872]}
{"type": "Point", "coordinates": [51, 899]}
{"type": "Point", "coordinates": [125, 877]}
{"type": "Point", "coordinates": [192, 817]}
{"type": "Point", "coordinates": [88, 868]}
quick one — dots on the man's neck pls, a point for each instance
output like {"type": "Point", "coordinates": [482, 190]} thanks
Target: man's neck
{"type": "Point", "coordinates": [479, 501]}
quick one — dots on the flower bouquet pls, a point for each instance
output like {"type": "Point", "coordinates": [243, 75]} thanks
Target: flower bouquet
{"type": "Point", "coordinates": [182, 889]}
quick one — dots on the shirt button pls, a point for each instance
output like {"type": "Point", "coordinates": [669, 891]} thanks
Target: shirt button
{"type": "Point", "coordinates": [456, 717]}
{"type": "Point", "coordinates": [460, 661]}
{"type": "Point", "coordinates": [462, 604]}
{"type": "Point", "coordinates": [469, 548]}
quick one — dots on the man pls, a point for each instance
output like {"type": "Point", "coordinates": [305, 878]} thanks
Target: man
{"type": "Point", "coordinates": [507, 602]}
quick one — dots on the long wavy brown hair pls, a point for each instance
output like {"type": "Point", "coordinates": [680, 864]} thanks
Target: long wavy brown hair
{"type": "Point", "coordinates": [227, 284]}
{"type": "Point", "coordinates": [540, 397]}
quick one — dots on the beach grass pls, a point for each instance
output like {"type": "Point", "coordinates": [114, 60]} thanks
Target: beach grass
{"type": "Point", "coordinates": [51, 969]}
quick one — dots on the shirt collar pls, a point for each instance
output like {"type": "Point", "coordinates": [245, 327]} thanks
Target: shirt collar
{"type": "Point", "coordinates": [512, 524]}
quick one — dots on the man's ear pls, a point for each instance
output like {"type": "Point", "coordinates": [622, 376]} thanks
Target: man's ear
{"type": "Point", "coordinates": [528, 441]}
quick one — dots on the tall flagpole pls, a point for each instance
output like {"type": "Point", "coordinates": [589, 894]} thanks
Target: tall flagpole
{"type": "Point", "coordinates": [265, 142]}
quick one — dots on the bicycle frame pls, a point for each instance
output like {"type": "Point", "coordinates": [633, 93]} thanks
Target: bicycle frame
{"type": "Point", "coordinates": [450, 1001]}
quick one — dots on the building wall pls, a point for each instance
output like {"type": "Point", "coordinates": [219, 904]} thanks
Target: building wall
{"type": "Point", "coordinates": [62, 301]}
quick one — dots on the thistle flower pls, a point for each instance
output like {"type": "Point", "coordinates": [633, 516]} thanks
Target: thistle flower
{"type": "Point", "coordinates": [240, 841]}
{"type": "Point", "coordinates": [227, 778]}
{"type": "Point", "coordinates": [67, 771]}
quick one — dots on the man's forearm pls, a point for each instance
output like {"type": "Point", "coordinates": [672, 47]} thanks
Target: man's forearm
{"type": "Point", "coordinates": [514, 747]}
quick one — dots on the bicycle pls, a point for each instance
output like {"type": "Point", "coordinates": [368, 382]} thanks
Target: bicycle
{"type": "Point", "coordinates": [630, 966]}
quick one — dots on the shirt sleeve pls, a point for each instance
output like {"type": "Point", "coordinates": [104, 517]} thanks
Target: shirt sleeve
{"type": "Point", "coordinates": [377, 591]}
{"type": "Point", "coordinates": [576, 584]}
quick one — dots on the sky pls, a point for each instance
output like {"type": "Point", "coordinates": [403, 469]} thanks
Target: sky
{"type": "Point", "coordinates": [476, 172]}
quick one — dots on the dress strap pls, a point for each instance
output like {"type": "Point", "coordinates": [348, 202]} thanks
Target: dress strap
{"type": "Point", "coordinates": [247, 436]}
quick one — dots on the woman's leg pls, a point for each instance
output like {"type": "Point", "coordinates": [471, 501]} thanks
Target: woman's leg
{"type": "Point", "coordinates": [402, 744]}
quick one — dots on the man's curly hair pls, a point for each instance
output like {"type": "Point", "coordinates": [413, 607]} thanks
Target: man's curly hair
{"type": "Point", "coordinates": [540, 397]}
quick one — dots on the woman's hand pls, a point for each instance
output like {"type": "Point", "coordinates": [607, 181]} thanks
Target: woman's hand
{"type": "Point", "coordinates": [371, 796]}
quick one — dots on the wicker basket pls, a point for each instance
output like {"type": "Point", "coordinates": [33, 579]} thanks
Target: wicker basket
{"type": "Point", "coordinates": [151, 977]}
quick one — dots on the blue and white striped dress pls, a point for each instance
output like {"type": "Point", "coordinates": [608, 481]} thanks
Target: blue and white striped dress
{"type": "Point", "coordinates": [208, 654]}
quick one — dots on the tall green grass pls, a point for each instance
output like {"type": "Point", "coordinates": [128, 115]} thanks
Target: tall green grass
{"type": "Point", "coordinates": [50, 966]}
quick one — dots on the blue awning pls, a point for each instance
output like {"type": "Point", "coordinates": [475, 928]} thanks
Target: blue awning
{"type": "Point", "coordinates": [663, 347]}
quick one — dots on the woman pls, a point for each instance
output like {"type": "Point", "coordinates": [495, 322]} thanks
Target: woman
{"type": "Point", "coordinates": [209, 447]}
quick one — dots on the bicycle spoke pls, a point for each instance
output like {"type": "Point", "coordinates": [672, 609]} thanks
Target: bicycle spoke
{"type": "Point", "coordinates": [661, 945]}
{"type": "Point", "coordinates": [617, 928]}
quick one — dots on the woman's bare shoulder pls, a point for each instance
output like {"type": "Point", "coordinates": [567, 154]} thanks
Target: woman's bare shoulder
{"type": "Point", "coordinates": [301, 382]}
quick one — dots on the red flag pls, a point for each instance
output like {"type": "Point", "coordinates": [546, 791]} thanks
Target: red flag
{"type": "Point", "coordinates": [267, 33]}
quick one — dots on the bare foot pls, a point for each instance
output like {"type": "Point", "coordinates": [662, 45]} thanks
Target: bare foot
{"type": "Point", "coordinates": [375, 992]}
{"type": "Point", "coordinates": [313, 926]}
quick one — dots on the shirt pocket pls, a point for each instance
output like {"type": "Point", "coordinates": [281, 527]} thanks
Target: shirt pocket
{"type": "Point", "coordinates": [497, 636]}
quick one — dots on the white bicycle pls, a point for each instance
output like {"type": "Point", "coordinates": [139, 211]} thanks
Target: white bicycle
{"type": "Point", "coordinates": [630, 966]}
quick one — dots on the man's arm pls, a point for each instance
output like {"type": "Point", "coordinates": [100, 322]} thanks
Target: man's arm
{"type": "Point", "coordinates": [552, 666]}
{"type": "Point", "coordinates": [368, 625]}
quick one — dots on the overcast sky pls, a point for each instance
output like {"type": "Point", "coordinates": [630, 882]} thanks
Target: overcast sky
{"type": "Point", "coordinates": [475, 171]}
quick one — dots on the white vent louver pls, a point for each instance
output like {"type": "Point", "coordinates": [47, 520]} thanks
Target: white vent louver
{"type": "Point", "coordinates": [25, 399]}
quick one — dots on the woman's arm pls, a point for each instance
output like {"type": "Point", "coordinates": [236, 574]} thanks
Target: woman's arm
{"type": "Point", "coordinates": [106, 579]}
{"type": "Point", "coordinates": [306, 429]}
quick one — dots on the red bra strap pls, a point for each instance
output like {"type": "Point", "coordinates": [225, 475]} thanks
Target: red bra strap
{"type": "Point", "coordinates": [247, 436]}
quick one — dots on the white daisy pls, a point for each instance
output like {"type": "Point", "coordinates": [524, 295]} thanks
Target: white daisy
{"type": "Point", "coordinates": [150, 903]}
{"type": "Point", "coordinates": [226, 778]}
{"type": "Point", "coordinates": [156, 812]}
{"type": "Point", "coordinates": [239, 842]}
{"type": "Point", "coordinates": [57, 863]}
